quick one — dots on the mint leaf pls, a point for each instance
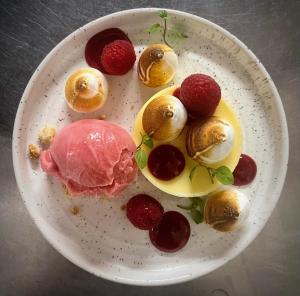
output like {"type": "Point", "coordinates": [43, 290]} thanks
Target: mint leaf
{"type": "Point", "coordinates": [153, 28]}
{"type": "Point", "coordinates": [192, 173]}
{"type": "Point", "coordinates": [196, 216]}
{"type": "Point", "coordinates": [140, 157]}
{"type": "Point", "coordinates": [185, 207]}
{"type": "Point", "coordinates": [196, 209]}
{"type": "Point", "coordinates": [201, 205]}
{"type": "Point", "coordinates": [163, 14]}
{"type": "Point", "coordinates": [223, 175]}
{"type": "Point", "coordinates": [196, 201]}
{"type": "Point", "coordinates": [147, 141]}
{"type": "Point", "coordinates": [177, 34]}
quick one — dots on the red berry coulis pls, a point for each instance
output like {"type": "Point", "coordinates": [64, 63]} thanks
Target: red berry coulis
{"type": "Point", "coordinates": [172, 233]}
{"type": "Point", "coordinates": [144, 212]}
{"type": "Point", "coordinates": [95, 45]}
{"type": "Point", "coordinates": [245, 171]}
{"type": "Point", "coordinates": [166, 162]}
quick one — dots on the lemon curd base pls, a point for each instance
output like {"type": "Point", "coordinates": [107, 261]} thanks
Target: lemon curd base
{"type": "Point", "coordinates": [201, 184]}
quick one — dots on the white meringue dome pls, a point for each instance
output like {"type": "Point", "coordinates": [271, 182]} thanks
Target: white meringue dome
{"type": "Point", "coordinates": [226, 210]}
{"type": "Point", "coordinates": [210, 141]}
{"type": "Point", "coordinates": [86, 90]}
{"type": "Point", "coordinates": [164, 118]}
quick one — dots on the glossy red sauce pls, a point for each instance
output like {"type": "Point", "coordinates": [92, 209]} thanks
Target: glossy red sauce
{"type": "Point", "coordinates": [245, 171]}
{"type": "Point", "coordinates": [95, 45]}
{"type": "Point", "coordinates": [144, 212]}
{"type": "Point", "coordinates": [166, 162]}
{"type": "Point", "coordinates": [172, 233]}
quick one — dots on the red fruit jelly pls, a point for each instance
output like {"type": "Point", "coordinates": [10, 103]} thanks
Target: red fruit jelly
{"type": "Point", "coordinates": [144, 212]}
{"type": "Point", "coordinates": [166, 162]}
{"type": "Point", "coordinates": [95, 45]}
{"type": "Point", "coordinates": [245, 171]}
{"type": "Point", "coordinates": [172, 233]}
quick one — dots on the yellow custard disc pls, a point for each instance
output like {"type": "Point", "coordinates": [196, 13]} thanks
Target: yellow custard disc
{"type": "Point", "coordinates": [201, 183]}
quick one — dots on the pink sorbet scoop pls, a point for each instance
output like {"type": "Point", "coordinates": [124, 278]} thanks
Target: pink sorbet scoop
{"type": "Point", "coordinates": [92, 157]}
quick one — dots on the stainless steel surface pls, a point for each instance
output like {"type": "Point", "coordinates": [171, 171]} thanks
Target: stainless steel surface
{"type": "Point", "coordinates": [30, 266]}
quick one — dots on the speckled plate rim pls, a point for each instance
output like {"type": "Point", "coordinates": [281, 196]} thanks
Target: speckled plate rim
{"type": "Point", "coordinates": [283, 161]}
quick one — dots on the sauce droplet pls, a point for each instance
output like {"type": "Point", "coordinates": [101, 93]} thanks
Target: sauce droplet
{"type": "Point", "coordinates": [95, 45]}
{"type": "Point", "coordinates": [172, 233]}
{"type": "Point", "coordinates": [166, 162]}
{"type": "Point", "coordinates": [245, 171]}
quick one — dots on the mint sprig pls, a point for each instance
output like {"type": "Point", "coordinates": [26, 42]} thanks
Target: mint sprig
{"type": "Point", "coordinates": [140, 155]}
{"type": "Point", "coordinates": [192, 172]}
{"type": "Point", "coordinates": [153, 28]}
{"type": "Point", "coordinates": [174, 32]}
{"type": "Point", "coordinates": [147, 140]}
{"type": "Point", "coordinates": [223, 174]}
{"type": "Point", "coordinates": [163, 14]}
{"type": "Point", "coordinates": [195, 208]}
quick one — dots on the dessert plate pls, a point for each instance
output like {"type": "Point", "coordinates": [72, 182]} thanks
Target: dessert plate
{"type": "Point", "coordinates": [99, 238]}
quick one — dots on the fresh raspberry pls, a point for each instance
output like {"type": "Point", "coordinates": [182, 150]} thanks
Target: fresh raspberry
{"type": "Point", "coordinates": [118, 57]}
{"type": "Point", "coordinates": [144, 212]}
{"type": "Point", "coordinates": [176, 92]}
{"type": "Point", "coordinates": [200, 94]}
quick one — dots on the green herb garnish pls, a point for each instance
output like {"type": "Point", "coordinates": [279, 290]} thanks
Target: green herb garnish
{"type": "Point", "coordinates": [197, 216]}
{"type": "Point", "coordinates": [222, 174]}
{"type": "Point", "coordinates": [163, 14]}
{"type": "Point", "coordinates": [153, 28]}
{"type": "Point", "coordinates": [147, 140]}
{"type": "Point", "coordinates": [196, 209]}
{"type": "Point", "coordinates": [192, 172]}
{"type": "Point", "coordinates": [140, 155]}
{"type": "Point", "coordinates": [173, 32]}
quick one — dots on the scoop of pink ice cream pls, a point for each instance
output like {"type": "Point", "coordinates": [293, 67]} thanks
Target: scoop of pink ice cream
{"type": "Point", "coordinates": [91, 157]}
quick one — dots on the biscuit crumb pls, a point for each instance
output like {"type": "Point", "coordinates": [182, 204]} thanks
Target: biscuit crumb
{"type": "Point", "coordinates": [102, 117]}
{"type": "Point", "coordinates": [75, 210]}
{"type": "Point", "coordinates": [46, 135]}
{"type": "Point", "coordinates": [34, 151]}
{"type": "Point", "coordinates": [65, 189]}
{"type": "Point", "coordinates": [123, 207]}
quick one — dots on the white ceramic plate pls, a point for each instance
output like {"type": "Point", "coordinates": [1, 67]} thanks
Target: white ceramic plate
{"type": "Point", "coordinates": [100, 239]}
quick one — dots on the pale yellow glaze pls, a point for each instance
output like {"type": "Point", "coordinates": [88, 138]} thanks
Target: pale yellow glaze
{"type": "Point", "coordinates": [201, 183]}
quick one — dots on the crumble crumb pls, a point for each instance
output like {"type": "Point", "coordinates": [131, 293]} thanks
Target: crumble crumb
{"type": "Point", "coordinates": [65, 189]}
{"type": "Point", "coordinates": [46, 135]}
{"type": "Point", "coordinates": [34, 151]}
{"type": "Point", "coordinates": [75, 210]}
{"type": "Point", "coordinates": [102, 117]}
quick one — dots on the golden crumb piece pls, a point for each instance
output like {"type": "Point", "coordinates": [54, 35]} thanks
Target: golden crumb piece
{"type": "Point", "coordinates": [102, 117]}
{"type": "Point", "coordinates": [46, 135]}
{"type": "Point", "coordinates": [65, 189]}
{"type": "Point", "coordinates": [75, 210]}
{"type": "Point", "coordinates": [34, 151]}
{"type": "Point", "coordinates": [123, 207]}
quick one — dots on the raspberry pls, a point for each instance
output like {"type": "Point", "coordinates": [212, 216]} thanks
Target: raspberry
{"type": "Point", "coordinates": [176, 92]}
{"type": "Point", "coordinates": [200, 94]}
{"type": "Point", "coordinates": [118, 57]}
{"type": "Point", "coordinates": [144, 212]}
